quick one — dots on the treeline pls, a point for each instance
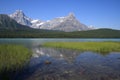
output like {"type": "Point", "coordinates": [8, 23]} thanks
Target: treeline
{"type": "Point", "coordinates": [9, 28]}
{"type": "Point", "coordinates": [99, 33]}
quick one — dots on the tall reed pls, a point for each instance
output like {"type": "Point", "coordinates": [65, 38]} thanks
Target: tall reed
{"type": "Point", "coordinates": [87, 46]}
{"type": "Point", "coordinates": [13, 57]}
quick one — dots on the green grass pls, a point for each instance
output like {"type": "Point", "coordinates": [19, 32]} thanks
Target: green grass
{"type": "Point", "coordinates": [102, 47]}
{"type": "Point", "coordinates": [13, 57]}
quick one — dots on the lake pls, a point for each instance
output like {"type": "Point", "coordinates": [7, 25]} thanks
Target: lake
{"type": "Point", "coordinates": [66, 64]}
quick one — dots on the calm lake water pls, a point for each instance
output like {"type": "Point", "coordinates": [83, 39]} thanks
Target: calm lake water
{"type": "Point", "coordinates": [66, 64]}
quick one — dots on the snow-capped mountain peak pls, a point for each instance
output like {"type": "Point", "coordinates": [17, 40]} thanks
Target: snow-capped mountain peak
{"type": "Point", "coordinates": [66, 23]}
{"type": "Point", "coordinates": [17, 13]}
{"type": "Point", "coordinates": [71, 15]}
{"type": "Point", "coordinates": [21, 18]}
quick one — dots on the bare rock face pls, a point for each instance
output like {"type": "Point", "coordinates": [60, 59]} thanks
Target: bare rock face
{"type": "Point", "coordinates": [21, 18]}
{"type": "Point", "coordinates": [7, 23]}
{"type": "Point", "coordinates": [68, 23]}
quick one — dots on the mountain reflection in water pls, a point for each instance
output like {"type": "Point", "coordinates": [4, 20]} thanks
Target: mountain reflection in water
{"type": "Point", "coordinates": [65, 64]}
{"type": "Point", "coordinates": [68, 64]}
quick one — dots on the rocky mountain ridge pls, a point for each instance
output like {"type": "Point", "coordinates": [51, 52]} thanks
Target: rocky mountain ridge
{"type": "Point", "coordinates": [68, 23]}
{"type": "Point", "coordinates": [7, 23]}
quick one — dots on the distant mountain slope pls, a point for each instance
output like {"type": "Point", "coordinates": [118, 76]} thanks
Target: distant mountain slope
{"type": "Point", "coordinates": [6, 23]}
{"type": "Point", "coordinates": [68, 23]}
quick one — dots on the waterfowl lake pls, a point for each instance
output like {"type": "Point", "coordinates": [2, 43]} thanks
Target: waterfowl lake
{"type": "Point", "coordinates": [65, 64]}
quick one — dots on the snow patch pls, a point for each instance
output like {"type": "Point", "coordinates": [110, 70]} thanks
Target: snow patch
{"type": "Point", "coordinates": [34, 21]}
{"type": "Point", "coordinates": [40, 24]}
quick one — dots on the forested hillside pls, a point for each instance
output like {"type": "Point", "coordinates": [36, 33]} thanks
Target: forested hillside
{"type": "Point", "coordinates": [32, 33]}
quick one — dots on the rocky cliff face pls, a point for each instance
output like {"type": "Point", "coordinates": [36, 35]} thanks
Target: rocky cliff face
{"type": "Point", "coordinates": [67, 23]}
{"type": "Point", "coordinates": [21, 18]}
{"type": "Point", "coordinates": [7, 23]}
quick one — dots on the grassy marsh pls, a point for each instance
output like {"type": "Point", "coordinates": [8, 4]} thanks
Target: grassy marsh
{"type": "Point", "coordinates": [103, 47]}
{"type": "Point", "coordinates": [13, 57]}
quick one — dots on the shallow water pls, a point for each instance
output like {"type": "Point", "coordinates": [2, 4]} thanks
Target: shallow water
{"type": "Point", "coordinates": [66, 64]}
{"type": "Point", "coordinates": [72, 65]}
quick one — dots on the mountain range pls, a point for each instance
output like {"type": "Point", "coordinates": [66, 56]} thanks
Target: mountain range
{"type": "Point", "coordinates": [17, 25]}
{"type": "Point", "coordinates": [68, 23]}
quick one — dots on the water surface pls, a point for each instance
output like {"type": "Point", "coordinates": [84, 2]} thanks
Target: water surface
{"type": "Point", "coordinates": [38, 41]}
{"type": "Point", "coordinates": [66, 64]}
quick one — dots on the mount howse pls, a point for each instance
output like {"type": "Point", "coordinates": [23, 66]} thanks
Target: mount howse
{"type": "Point", "coordinates": [68, 23]}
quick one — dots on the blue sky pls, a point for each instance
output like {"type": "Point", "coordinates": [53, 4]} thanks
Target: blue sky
{"type": "Point", "coordinates": [100, 13]}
